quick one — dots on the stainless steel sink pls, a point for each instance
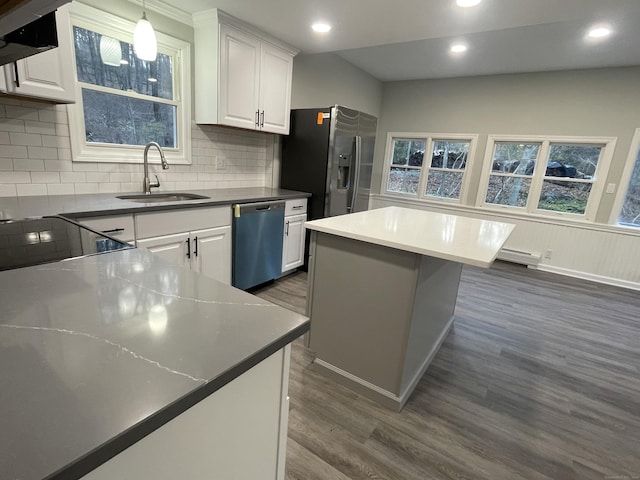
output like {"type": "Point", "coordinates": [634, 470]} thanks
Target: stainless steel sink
{"type": "Point", "coordinates": [161, 197]}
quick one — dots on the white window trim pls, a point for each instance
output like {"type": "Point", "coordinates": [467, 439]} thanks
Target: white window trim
{"type": "Point", "coordinates": [429, 138]}
{"type": "Point", "coordinates": [623, 186]}
{"type": "Point", "coordinates": [88, 17]}
{"type": "Point", "coordinates": [537, 178]}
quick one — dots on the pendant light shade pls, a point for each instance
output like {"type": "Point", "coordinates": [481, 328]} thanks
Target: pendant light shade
{"type": "Point", "coordinates": [110, 51]}
{"type": "Point", "coordinates": [144, 40]}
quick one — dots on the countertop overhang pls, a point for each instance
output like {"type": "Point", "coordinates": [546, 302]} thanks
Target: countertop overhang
{"type": "Point", "coordinates": [450, 237]}
{"type": "Point", "coordinates": [98, 352]}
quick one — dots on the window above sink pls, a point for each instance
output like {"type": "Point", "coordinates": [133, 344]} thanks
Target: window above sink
{"type": "Point", "coordinates": [124, 102]}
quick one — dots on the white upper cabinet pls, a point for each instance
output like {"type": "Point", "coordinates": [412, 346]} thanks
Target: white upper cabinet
{"type": "Point", "coordinates": [239, 78]}
{"type": "Point", "coordinates": [276, 69]}
{"type": "Point", "coordinates": [243, 76]}
{"type": "Point", "coordinates": [47, 75]}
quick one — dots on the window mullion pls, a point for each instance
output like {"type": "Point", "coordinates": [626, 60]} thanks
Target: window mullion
{"type": "Point", "coordinates": [127, 93]}
{"type": "Point", "coordinates": [426, 165]}
{"type": "Point", "coordinates": [538, 177]}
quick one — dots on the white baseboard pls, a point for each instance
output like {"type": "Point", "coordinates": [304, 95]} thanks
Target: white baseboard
{"type": "Point", "coordinates": [616, 282]}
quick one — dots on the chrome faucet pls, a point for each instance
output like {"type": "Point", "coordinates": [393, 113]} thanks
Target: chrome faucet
{"type": "Point", "coordinates": [146, 184]}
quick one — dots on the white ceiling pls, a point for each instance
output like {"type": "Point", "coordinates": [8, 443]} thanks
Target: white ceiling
{"type": "Point", "coordinates": [410, 39]}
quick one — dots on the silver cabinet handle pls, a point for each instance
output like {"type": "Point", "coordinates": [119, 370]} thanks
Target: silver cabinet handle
{"type": "Point", "coordinates": [257, 118]}
{"type": "Point", "coordinates": [113, 230]}
{"type": "Point", "coordinates": [286, 232]}
{"type": "Point", "coordinates": [297, 207]}
{"type": "Point", "coordinates": [262, 119]}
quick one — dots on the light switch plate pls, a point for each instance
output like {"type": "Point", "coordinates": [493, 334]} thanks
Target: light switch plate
{"type": "Point", "coordinates": [611, 187]}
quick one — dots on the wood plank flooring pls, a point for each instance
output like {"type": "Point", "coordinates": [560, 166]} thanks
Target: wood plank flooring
{"type": "Point", "coordinates": [539, 379]}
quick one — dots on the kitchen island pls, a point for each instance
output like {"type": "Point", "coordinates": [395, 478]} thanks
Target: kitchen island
{"type": "Point", "coordinates": [120, 365]}
{"type": "Point", "coordinates": [382, 292]}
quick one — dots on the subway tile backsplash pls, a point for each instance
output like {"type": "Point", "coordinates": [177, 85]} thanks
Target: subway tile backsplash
{"type": "Point", "coordinates": [35, 157]}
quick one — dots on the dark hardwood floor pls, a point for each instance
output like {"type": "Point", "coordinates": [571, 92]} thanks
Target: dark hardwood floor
{"type": "Point", "coordinates": [539, 379]}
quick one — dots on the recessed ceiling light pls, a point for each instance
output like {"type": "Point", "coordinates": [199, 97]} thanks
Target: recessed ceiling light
{"type": "Point", "coordinates": [458, 48]}
{"type": "Point", "coordinates": [468, 3]}
{"type": "Point", "coordinates": [321, 27]}
{"type": "Point", "coordinates": [599, 32]}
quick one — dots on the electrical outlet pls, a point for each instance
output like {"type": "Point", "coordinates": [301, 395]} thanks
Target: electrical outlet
{"type": "Point", "coordinates": [548, 253]}
{"type": "Point", "coordinates": [220, 163]}
{"type": "Point", "coordinates": [611, 187]}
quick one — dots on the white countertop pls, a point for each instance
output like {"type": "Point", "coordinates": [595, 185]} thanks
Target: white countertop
{"type": "Point", "coordinates": [450, 237]}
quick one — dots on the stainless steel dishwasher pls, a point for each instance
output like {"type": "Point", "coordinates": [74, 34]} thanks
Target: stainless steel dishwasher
{"type": "Point", "coordinates": [257, 243]}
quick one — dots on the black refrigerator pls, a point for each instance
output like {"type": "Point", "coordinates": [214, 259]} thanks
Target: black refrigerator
{"type": "Point", "coordinates": [329, 153]}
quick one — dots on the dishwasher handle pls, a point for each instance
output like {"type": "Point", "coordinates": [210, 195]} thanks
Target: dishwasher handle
{"type": "Point", "coordinates": [257, 207]}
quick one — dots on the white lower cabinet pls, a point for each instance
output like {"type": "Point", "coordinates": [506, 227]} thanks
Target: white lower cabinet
{"type": "Point", "coordinates": [173, 248]}
{"type": "Point", "coordinates": [293, 247]}
{"type": "Point", "coordinates": [238, 432]}
{"type": "Point", "coordinates": [116, 226]}
{"type": "Point", "coordinates": [294, 234]}
{"type": "Point", "coordinates": [179, 237]}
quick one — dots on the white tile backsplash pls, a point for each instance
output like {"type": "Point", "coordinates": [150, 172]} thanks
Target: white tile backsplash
{"type": "Point", "coordinates": [35, 157]}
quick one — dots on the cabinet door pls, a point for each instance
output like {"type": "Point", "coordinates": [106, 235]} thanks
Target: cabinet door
{"type": "Point", "coordinates": [47, 75]}
{"type": "Point", "coordinates": [239, 63]}
{"type": "Point", "coordinates": [173, 248]}
{"type": "Point", "coordinates": [276, 68]}
{"type": "Point", "coordinates": [211, 250]}
{"type": "Point", "coordinates": [293, 247]}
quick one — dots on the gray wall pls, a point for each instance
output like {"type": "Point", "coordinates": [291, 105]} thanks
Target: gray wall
{"type": "Point", "coordinates": [327, 79]}
{"type": "Point", "coordinates": [601, 102]}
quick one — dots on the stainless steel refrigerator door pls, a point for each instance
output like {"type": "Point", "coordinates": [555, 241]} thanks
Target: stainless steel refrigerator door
{"type": "Point", "coordinates": [367, 126]}
{"type": "Point", "coordinates": [342, 161]}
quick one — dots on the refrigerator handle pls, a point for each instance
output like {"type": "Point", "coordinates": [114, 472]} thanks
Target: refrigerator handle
{"type": "Point", "coordinates": [356, 174]}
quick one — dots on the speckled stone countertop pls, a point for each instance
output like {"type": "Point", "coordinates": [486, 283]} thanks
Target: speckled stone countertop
{"type": "Point", "coordinates": [78, 206]}
{"type": "Point", "coordinates": [97, 352]}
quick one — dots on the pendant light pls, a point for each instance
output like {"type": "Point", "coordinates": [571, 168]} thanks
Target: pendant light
{"type": "Point", "coordinates": [110, 51]}
{"type": "Point", "coordinates": [144, 39]}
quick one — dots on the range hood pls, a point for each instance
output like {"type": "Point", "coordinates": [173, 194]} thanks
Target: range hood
{"type": "Point", "coordinates": [35, 37]}
{"type": "Point", "coordinates": [18, 13]}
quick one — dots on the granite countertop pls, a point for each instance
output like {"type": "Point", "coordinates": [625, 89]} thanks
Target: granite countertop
{"type": "Point", "coordinates": [450, 237]}
{"type": "Point", "coordinates": [91, 205]}
{"type": "Point", "coordinates": [97, 352]}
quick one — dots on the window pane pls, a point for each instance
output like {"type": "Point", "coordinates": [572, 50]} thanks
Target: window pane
{"type": "Point", "coordinates": [568, 197]}
{"type": "Point", "coordinates": [630, 213]}
{"type": "Point", "coordinates": [444, 184]}
{"type": "Point", "coordinates": [408, 152]}
{"type": "Point", "coordinates": [123, 120]}
{"type": "Point", "coordinates": [455, 153]}
{"type": "Point", "coordinates": [508, 190]}
{"type": "Point", "coordinates": [574, 161]}
{"type": "Point", "coordinates": [105, 61]}
{"type": "Point", "coordinates": [517, 158]}
{"type": "Point", "coordinates": [403, 180]}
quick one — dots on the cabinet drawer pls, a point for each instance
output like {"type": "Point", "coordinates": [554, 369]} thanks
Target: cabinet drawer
{"type": "Point", "coordinates": [155, 224]}
{"type": "Point", "coordinates": [116, 226]}
{"type": "Point", "coordinates": [294, 207]}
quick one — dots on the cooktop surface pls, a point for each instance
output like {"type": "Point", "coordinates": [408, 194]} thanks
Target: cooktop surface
{"type": "Point", "coordinates": [34, 241]}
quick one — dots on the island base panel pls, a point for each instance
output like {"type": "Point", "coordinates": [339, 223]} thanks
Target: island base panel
{"type": "Point", "coordinates": [378, 314]}
{"type": "Point", "coordinates": [361, 308]}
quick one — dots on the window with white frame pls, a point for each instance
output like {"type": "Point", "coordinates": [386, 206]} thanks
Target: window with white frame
{"type": "Point", "coordinates": [628, 203]}
{"type": "Point", "coordinates": [546, 175]}
{"type": "Point", "coordinates": [124, 102]}
{"type": "Point", "coordinates": [442, 176]}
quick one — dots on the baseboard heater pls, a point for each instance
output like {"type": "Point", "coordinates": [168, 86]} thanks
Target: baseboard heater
{"type": "Point", "coordinates": [519, 256]}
